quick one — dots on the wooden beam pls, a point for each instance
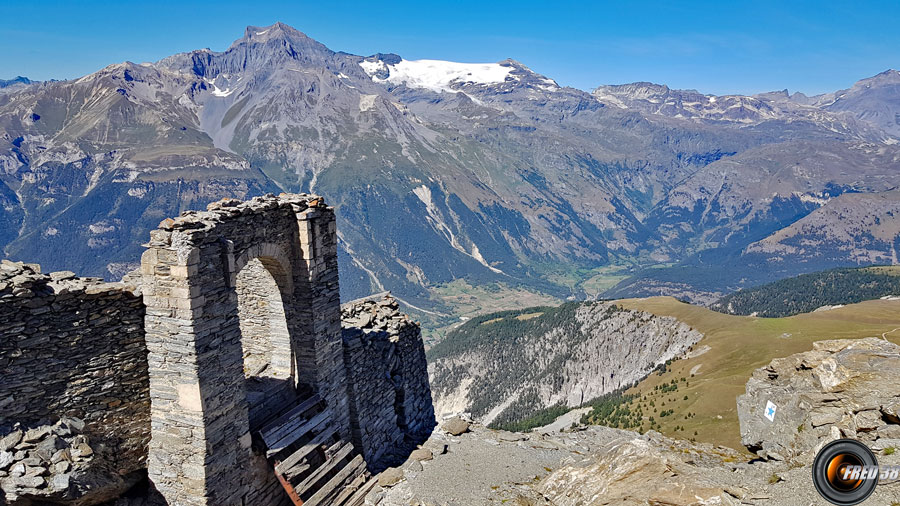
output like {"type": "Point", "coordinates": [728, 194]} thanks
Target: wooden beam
{"type": "Point", "coordinates": [293, 432]}
{"type": "Point", "coordinates": [326, 490]}
{"type": "Point", "coordinates": [295, 497]}
{"type": "Point", "coordinates": [267, 430]}
{"type": "Point", "coordinates": [305, 450]}
{"type": "Point", "coordinates": [359, 496]}
{"type": "Point", "coordinates": [349, 489]}
{"type": "Point", "coordinates": [326, 468]}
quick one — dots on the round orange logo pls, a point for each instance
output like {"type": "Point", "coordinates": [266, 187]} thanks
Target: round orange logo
{"type": "Point", "coordinates": [845, 472]}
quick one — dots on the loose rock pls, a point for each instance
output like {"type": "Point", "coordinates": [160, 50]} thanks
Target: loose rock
{"type": "Point", "coordinates": [455, 426]}
{"type": "Point", "coordinates": [422, 454]}
{"type": "Point", "coordinates": [390, 477]}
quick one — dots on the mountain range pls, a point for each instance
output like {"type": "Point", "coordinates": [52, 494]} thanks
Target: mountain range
{"type": "Point", "coordinates": [440, 171]}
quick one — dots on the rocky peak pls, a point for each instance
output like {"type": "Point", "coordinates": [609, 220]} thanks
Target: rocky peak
{"type": "Point", "coordinates": [261, 51]}
{"type": "Point", "coordinates": [277, 32]}
{"type": "Point", "coordinates": [387, 58]}
{"type": "Point", "coordinates": [18, 80]}
{"type": "Point", "coordinates": [889, 76]}
{"type": "Point", "coordinates": [280, 38]}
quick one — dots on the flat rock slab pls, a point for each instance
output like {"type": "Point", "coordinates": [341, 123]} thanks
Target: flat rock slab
{"type": "Point", "coordinates": [455, 426]}
{"type": "Point", "coordinates": [484, 466]}
{"type": "Point", "coordinates": [421, 454]}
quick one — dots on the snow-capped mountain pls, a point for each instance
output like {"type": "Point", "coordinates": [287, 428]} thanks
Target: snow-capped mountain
{"type": "Point", "coordinates": [439, 170]}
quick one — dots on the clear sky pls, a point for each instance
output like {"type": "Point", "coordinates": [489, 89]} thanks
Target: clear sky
{"type": "Point", "coordinates": [715, 47]}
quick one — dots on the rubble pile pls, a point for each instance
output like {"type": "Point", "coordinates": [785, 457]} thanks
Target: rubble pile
{"type": "Point", "coordinates": [56, 463]}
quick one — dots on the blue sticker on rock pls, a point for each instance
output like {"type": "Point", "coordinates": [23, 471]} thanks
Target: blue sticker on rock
{"type": "Point", "coordinates": [770, 410]}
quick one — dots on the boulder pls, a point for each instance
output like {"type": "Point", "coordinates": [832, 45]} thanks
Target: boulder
{"type": "Point", "coordinates": [455, 426]}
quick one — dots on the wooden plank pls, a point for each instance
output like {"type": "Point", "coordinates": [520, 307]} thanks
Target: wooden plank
{"type": "Point", "coordinates": [291, 412]}
{"type": "Point", "coordinates": [359, 497]}
{"type": "Point", "coordinates": [349, 489]}
{"type": "Point", "coordinates": [280, 432]}
{"type": "Point", "coordinates": [271, 427]}
{"type": "Point", "coordinates": [331, 450]}
{"type": "Point", "coordinates": [323, 493]}
{"type": "Point", "coordinates": [277, 411]}
{"type": "Point", "coordinates": [326, 468]}
{"type": "Point", "coordinates": [295, 498]}
{"type": "Point", "coordinates": [306, 449]}
{"type": "Point", "coordinates": [292, 473]}
{"type": "Point", "coordinates": [297, 431]}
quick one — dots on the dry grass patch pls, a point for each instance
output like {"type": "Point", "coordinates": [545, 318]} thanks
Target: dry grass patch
{"type": "Point", "coordinates": [738, 346]}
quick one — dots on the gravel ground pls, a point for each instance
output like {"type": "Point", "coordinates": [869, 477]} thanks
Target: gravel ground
{"type": "Point", "coordinates": [486, 467]}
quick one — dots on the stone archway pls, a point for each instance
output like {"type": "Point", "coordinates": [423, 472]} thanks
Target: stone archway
{"type": "Point", "coordinates": [265, 337]}
{"type": "Point", "coordinates": [195, 275]}
{"type": "Point", "coordinates": [268, 356]}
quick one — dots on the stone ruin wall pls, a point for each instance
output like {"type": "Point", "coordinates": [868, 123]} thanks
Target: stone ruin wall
{"type": "Point", "coordinates": [390, 399]}
{"type": "Point", "coordinates": [202, 418]}
{"type": "Point", "coordinates": [74, 346]}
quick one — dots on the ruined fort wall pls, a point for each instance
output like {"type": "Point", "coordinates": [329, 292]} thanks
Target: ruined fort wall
{"type": "Point", "coordinates": [390, 399]}
{"type": "Point", "coordinates": [244, 294]}
{"type": "Point", "coordinates": [75, 346]}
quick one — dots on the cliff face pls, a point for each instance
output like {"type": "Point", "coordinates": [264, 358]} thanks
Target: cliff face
{"type": "Point", "coordinates": [505, 367]}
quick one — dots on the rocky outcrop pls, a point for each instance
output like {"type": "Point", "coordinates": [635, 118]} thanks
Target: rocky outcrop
{"type": "Point", "coordinates": [58, 464]}
{"type": "Point", "coordinates": [585, 466]}
{"type": "Point", "coordinates": [681, 473]}
{"type": "Point", "coordinates": [842, 388]}
{"type": "Point", "coordinates": [593, 466]}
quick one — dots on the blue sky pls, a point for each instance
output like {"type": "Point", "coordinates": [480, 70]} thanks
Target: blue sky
{"type": "Point", "coordinates": [715, 47]}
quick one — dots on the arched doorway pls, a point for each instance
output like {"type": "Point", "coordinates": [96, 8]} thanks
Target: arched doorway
{"type": "Point", "coordinates": [212, 344]}
{"type": "Point", "coordinates": [269, 366]}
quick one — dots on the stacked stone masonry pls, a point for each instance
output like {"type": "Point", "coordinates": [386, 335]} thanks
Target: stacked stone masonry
{"type": "Point", "coordinates": [201, 420]}
{"type": "Point", "coordinates": [390, 400]}
{"type": "Point", "coordinates": [75, 347]}
{"type": "Point", "coordinates": [235, 312]}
